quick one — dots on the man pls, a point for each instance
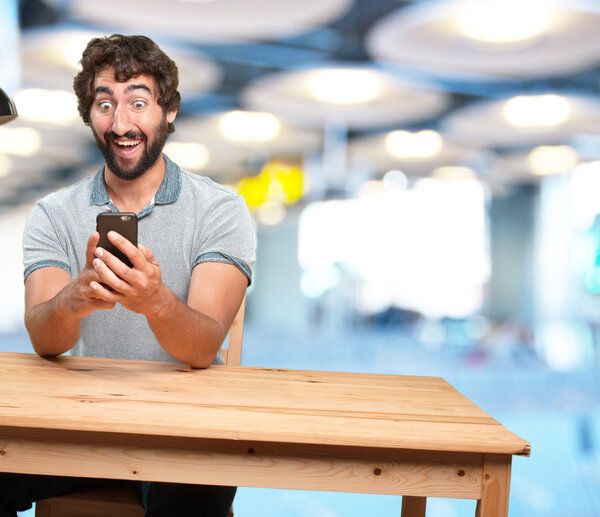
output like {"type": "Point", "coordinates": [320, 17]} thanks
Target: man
{"type": "Point", "coordinates": [190, 270]}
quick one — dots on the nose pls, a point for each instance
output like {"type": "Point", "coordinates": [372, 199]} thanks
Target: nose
{"type": "Point", "coordinates": [121, 123]}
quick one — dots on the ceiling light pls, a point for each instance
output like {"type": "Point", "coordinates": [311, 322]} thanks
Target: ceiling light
{"type": "Point", "coordinates": [453, 173]}
{"type": "Point", "coordinates": [552, 159]}
{"type": "Point", "coordinates": [189, 155]}
{"type": "Point", "coordinates": [504, 21]}
{"type": "Point", "coordinates": [419, 145]}
{"type": "Point", "coordinates": [249, 126]}
{"type": "Point", "coordinates": [53, 106]}
{"type": "Point", "coordinates": [344, 86]}
{"type": "Point", "coordinates": [22, 141]}
{"type": "Point", "coordinates": [536, 111]}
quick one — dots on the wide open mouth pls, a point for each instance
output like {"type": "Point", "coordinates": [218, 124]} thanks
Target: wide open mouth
{"type": "Point", "coordinates": [126, 145]}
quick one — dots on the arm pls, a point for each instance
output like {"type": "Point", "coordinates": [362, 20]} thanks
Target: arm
{"type": "Point", "coordinates": [192, 332]}
{"type": "Point", "coordinates": [55, 305]}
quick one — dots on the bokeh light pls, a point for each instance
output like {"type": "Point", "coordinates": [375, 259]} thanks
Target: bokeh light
{"type": "Point", "coordinates": [503, 21]}
{"type": "Point", "coordinates": [344, 86]}
{"type": "Point", "coordinates": [277, 181]}
{"type": "Point", "coordinates": [536, 110]}
{"type": "Point", "coordinates": [190, 155]}
{"type": "Point", "coordinates": [249, 126]}
{"type": "Point", "coordinates": [556, 159]}
{"type": "Point", "coordinates": [50, 106]}
{"type": "Point", "coordinates": [419, 145]}
{"type": "Point", "coordinates": [20, 141]}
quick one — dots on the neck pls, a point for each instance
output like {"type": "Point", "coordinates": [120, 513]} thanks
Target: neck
{"type": "Point", "coordinates": [134, 195]}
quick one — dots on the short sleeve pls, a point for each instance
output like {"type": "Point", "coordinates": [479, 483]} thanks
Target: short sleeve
{"type": "Point", "coordinates": [228, 236]}
{"type": "Point", "coordinates": [41, 246]}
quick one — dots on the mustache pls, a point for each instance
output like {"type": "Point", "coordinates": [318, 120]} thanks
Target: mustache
{"type": "Point", "coordinates": [130, 134]}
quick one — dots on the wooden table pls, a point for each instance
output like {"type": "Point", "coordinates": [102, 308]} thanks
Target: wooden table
{"type": "Point", "coordinates": [256, 427]}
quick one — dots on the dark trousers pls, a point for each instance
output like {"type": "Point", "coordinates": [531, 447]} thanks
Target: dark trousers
{"type": "Point", "coordinates": [19, 491]}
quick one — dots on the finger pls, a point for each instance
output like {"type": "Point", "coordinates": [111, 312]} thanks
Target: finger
{"type": "Point", "coordinates": [106, 298]}
{"type": "Point", "coordinates": [109, 276]}
{"type": "Point", "coordinates": [90, 248]}
{"type": "Point", "coordinates": [132, 252]}
{"type": "Point", "coordinates": [115, 264]}
{"type": "Point", "coordinates": [103, 305]}
{"type": "Point", "coordinates": [147, 253]}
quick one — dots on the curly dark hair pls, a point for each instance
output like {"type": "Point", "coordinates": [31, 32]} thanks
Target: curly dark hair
{"type": "Point", "coordinates": [130, 56]}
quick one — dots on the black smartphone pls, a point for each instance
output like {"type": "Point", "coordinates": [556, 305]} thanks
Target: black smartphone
{"type": "Point", "coordinates": [124, 223]}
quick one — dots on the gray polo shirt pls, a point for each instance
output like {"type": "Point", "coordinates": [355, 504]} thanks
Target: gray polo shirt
{"type": "Point", "coordinates": [190, 220]}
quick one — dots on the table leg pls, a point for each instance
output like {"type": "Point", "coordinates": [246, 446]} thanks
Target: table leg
{"type": "Point", "coordinates": [413, 506]}
{"type": "Point", "coordinates": [496, 486]}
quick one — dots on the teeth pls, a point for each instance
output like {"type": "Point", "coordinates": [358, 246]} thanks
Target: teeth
{"type": "Point", "coordinates": [127, 144]}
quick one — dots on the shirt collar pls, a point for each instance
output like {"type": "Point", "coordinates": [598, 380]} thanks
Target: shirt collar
{"type": "Point", "coordinates": [168, 192]}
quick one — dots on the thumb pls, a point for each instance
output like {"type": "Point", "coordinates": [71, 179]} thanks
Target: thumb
{"type": "Point", "coordinates": [91, 248]}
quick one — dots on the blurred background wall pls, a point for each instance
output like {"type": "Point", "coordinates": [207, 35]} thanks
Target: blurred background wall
{"type": "Point", "coordinates": [424, 181]}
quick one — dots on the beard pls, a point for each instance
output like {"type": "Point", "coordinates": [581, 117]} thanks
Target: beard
{"type": "Point", "coordinates": [150, 156]}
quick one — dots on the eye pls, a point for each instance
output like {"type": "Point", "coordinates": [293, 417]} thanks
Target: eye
{"type": "Point", "coordinates": [104, 105]}
{"type": "Point", "coordinates": [139, 104]}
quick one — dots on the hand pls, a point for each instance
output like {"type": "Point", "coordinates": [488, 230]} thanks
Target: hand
{"type": "Point", "coordinates": [140, 288]}
{"type": "Point", "coordinates": [78, 299]}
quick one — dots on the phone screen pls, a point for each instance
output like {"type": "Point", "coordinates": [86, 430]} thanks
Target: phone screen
{"type": "Point", "coordinates": [124, 223]}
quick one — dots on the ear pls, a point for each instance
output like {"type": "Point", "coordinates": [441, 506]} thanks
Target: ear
{"type": "Point", "coordinates": [171, 116]}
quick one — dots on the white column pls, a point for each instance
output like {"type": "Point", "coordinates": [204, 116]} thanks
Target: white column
{"type": "Point", "coordinates": [10, 78]}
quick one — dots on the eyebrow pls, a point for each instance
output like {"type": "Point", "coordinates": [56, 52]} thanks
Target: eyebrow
{"type": "Point", "coordinates": [103, 89]}
{"type": "Point", "coordinates": [133, 87]}
{"type": "Point", "coordinates": [130, 88]}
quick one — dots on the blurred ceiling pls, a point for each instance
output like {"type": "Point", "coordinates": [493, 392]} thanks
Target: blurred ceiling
{"type": "Point", "coordinates": [457, 75]}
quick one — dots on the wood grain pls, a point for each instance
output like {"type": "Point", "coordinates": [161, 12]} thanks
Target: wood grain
{"type": "Point", "coordinates": [496, 486]}
{"type": "Point", "coordinates": [246, 404]}
{"type": "Point", "coordinates": [292, 466]}
{"type": "Point", "coordinates": [382, 434]}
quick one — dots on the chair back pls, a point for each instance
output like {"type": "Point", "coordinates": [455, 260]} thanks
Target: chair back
{"type": "Point", "coordinates": [233, 353]}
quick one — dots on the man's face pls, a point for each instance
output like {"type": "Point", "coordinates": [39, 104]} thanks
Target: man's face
{"type": "Point", "coordinates": [129, 125]}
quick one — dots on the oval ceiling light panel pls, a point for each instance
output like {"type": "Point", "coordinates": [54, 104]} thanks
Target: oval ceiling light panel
{"type": "Point", "coordinates": [247, 126]}
{"type": "Point", "coordinates": [535, 111]}
{"type": "Point", "coordinates": [490, 39]}
{"type": "Point", "coordinates": [422, 144]}
{"type": "Point", "coordinates": [556, 159]}
{"type": "Point", "coordinates": [523, 120]}
{"type": "Point", "coordinates": [504, 21]}
{"type": "Point", "coordinates": [354, 96]}
{"type": "Point", "coordinates": [399, 154]}
{"type": "Point", "coordinates": [50, 59]}
{"type": "Point", "coordinates": [216, 21]}
{"type": "Point", "coordinates": [49, 106]}
{"type": "Point", "coordinates": [344, 86]}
